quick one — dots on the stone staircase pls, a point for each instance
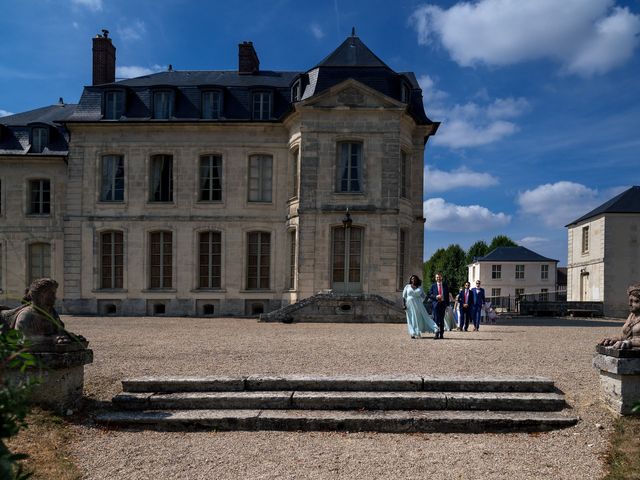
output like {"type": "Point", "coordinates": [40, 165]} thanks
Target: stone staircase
{"type": "Point", "coordinates": [341, 403]}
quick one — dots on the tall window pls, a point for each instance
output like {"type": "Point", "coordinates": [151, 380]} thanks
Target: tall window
{"type": "Point", "coordinates": [39, 139]}
{"type": "Point", "coordinates": [211, 104]}
{"type": "Point", "coordinates": [111, 260]}
{"type": "Point", "coordinates": [39, 261]}
{"type": "Point", "coordinates": [404, 175]}
{"type": "Point", "coordinates": [40, 197]}
{"type": "Point", "coordinates": [296, 167]}
{"type": "Point", "coordinates": [112, 186]}
{"type": "Point", "coordinates": [162, 104]}
{"type": "Point", "coordinates": [347, 258]}
{"type": "Point", "coordinates": [210, 178]}
{"type": "Point", "coordinates": [350, 167]}
{"type": "Point", "coordinates": [544, 272]}
{"type": "Point", "coordinates": [161, 187]}
{"type": "Point", "coordinates": [260, 178]}
{"type": "Point", "coordinates": [296, 91]}
{"type": "Point", "coordinates": [210, 263]}
{"type": "Point", "coordinates": [161, 259]}
{"type": "Point", "coordinates": [585, 239]}
{"type": "Point", "coordinates": [405, 93]}
{"type": "Point", "coordinates": [402, 255]}
{"type": "Point", "coordinates": [495, 293]}
{"type": "Point", "coordinates": [496, 272]}
{"type": "Point", "coordinates": [258, 260]}
{"type": "Point", "coordinates": [261, 105]}
{"type": "Point", "coordinates": [544, 295]}
{"type": "Point", "coordinates": [113, 104]}
{"type": "Point", "coordinates": [292, 259]}
{"type": "Point", "coordinates": [519, 292]}
{"type": "Point", "coordinates": [519, 272]}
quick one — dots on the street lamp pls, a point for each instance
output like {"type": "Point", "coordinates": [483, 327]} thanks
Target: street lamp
{"type": "Point", "coordinates": [346, 221]}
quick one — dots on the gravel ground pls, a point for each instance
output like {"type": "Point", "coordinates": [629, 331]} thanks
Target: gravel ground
{"type": "Point", "coordinates": [561, 349]}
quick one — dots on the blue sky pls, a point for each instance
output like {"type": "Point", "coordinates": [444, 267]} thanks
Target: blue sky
{"type": "Point", "coordinates": [539, 100]}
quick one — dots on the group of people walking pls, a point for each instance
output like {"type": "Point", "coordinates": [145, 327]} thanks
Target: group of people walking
{"type": "Point", "coordinates": [470, 300]}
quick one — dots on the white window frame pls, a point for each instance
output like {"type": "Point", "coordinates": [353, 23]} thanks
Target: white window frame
{"type": "Point", "coordinates": [520, 272]}
{"type": "Point", "coordinates": [214, 191]}
{"type": "Point", "coordinates": [260, 179]}
{"type": "Point", "coordinates": [109, 179]}
{"type": "Point", "coordinates": [496, 272]}
{"type": "Point", "coordinates": [261, 105]}
{"type": "Point", "coordinates": [346, 181]}
{"type": "Point", "coordinates": [211, 104]}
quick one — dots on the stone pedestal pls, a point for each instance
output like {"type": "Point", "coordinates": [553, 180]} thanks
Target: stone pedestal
{"type": "Point", "coordinates": [61, 374]}
{"type": "Point", "coordinates": [619, 377]}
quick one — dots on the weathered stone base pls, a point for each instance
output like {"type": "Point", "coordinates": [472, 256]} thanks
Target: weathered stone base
{"type": "Point", "coordinates": [619, 378]}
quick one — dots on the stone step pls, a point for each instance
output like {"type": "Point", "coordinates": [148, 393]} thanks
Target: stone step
{"type": "Point", "coordinates": [344, 421]}
{"type": "Point", "coordinates": [393, 383]}
{"type": "Point", "coordinates": [306, 400]}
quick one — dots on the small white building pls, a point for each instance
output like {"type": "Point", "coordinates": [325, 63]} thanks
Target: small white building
{"type": "Point", "coordinates": [514, 271]}
{"type": "Point", "coordinates": [604, 253]}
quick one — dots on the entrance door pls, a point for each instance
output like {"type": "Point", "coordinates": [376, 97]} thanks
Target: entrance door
{"type": "Point", "coordinates": [346, 274]}
{"type": "Point", "coordinates": [584, 287]}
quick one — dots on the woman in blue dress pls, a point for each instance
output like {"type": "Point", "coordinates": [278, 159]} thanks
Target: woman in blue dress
{"type": "Point", "coordinates": [418, 320]}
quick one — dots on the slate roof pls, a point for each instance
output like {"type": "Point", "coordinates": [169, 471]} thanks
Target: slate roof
{"type": "Point", "coordinates": [352, 53]}
{"type": "Point", "coordinates": [15, 130]}
{"type": "Point", "coordinates": [513, 254]}
{"type": "Point", "coordinates": [626, 202]}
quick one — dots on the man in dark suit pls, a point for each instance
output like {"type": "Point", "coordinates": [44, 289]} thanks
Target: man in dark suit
{"type": "Point", "coordinates": [439, 296]}
{"type": "Point", "coordinates": [465, 300]}
{"type": "Point", "coordinates": [478, 303]}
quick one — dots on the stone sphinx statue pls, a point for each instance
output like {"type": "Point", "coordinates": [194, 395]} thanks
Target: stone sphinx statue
{"type": "Point", "coordinates": [630, 337]}
{"type": "Point", "coordinates": [38, 320]}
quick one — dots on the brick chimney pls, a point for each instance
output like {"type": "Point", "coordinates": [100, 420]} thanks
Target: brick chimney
{"type": "Point", "coordinates": [104, 59]}
{"type": "Point", "coordinates": [248, 62]}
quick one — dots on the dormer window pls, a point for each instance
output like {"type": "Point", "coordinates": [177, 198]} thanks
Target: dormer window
{"type": "Point", "coordinates": [39, 139]}
{"type": "Point", "coordinates": [113, 104]}
{"type": "Point", "coordinates": [405, 93]}
{"type": "Point", "coordinates": [211, 104]}
{"type": "Point", "coordinates": [162, 104]}
{"type": "Point", "coordinates": [261, 105]}
{"type": "Point", "coordinates": [296, 91]}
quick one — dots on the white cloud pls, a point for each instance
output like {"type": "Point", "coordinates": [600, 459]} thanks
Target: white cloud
{"type": "Point", "coordinates": [557, 204]}
{"type": "Point", "coordinates": [95, 5]}
{"type": "Point", "coordinates": [440, 181]}
{"type": "Point", "coordinates": [532, 241]}
{"type": "Point", "coordinates": [460, 133]}
{"type": "Point", "coordinates": [135, 31]}
{"type": "Point", "coordinates": [316, 31]}
{"type": "Point", "coordinates": [449, 217]}
{"type": "Point", "coordinates": [5, 113]}
{"type": "Point", "coordinates": [585, 37]}
{"type": "Point", "coordinates": [134, 71]}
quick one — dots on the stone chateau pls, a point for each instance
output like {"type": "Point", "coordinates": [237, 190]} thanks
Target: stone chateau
{"type": "Point", "coordinates": [217, 192]}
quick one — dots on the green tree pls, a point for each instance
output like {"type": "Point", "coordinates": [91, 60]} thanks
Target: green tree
{"type": "Point", "coordinates": [451, 262]}
{"type": "Point", "coordinates": [478, 249]}
{"type": "Point", "coordinates": [501, 241]}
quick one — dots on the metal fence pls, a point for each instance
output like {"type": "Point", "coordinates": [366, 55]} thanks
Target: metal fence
{"type": "Point", "coordinates": [511, 303]}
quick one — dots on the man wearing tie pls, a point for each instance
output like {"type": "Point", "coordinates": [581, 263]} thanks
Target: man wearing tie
{"type": "Point", "coordinates": [478, 303]}
{"type": "Point", "coordinates": [465, 300]}
{"type": "Point", "coordinates": [439, 296]}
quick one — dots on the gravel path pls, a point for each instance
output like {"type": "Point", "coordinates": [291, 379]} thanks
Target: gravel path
{"type": "Point", "coordinates": [561, 349]}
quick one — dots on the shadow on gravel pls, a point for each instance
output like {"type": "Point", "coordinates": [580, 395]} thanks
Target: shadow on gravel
{"type": "Point", "coordinates": [561, 322]}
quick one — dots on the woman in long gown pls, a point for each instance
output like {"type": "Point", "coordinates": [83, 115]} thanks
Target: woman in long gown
{"type": "Point", "coordinates": [418, 320]}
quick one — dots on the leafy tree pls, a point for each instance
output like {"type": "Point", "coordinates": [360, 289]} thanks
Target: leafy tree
{"type": "Point", "coordinates": [501, 241]}
{"type": "Point", "coordinates": [478, 249]}
{"type": "Point", "coordinates": [451, 262]}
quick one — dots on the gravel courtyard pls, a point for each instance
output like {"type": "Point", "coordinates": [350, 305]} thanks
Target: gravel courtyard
{"type": "Point", "coordinates": [561, 349]}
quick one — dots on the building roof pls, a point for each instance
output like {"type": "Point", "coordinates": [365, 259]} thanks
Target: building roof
{"type": "Point", "coordinates": [626, 202]}
{"type": "Point", "coordinates": [352, 53]}
{"type": "Point", "coordinates": [513, 254]}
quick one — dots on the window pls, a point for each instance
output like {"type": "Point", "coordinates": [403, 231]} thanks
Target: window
{"type": "Point", "coordinates": [211, 104]}
{"type": "Point", "coordinates": [496, 272]}
{"type": "Point", "coordinates": [544, 295]}
{"type": "Point", "coordinates": [519, 292]}
{"type": "Point", "coordinates": [404, 175]}
{"type": "Point", "coordinates": [261, 105]}
{"type": "Point", "coordinates": [258, 260]}
{"type": "Point", "coordinates": [296, 91]}
{"type": "Point", "coordinates": [292, 259]}
{"type": "Point", "coordinates": [544, 272]}
{"type": "Point", "coordinates": [40, 197]}
{"type": "Point", "coordinates": [210, 178]}
{"type": "Point", "coordinates": [296, 166]}
{"type": "Point", "coordinates": [112, 188]}
{"type": "Point", "coordinates": [111, 260]}
{"type": "Point", "coordinates": [349, 167]}
{"type": "Point", "coordinates": [347, 258]}
{"type": "Point", "coordinates": [260, 178]}
{"type": "Point", "coordinates": [161, 259]}
{"type": "Point", "coordinates": [113, 104]}
{"type": "Point", "coordinates": [519, 272]}
{"type": "Point", "coordinates": [39, 261]}
{"type": "Point", "coordinates": [162, 104]}
{"type": "Point", "coordinates": [39, 139]}
{"type": "Point", "coordinates": [210, 263]}
{"type": "Point", "coordinates": [585, 239]}
{"type": "Point", "coordinates": [495, 293]}
{"type": "Point", "coordinates": [402, 254]}
{"type": "Point", "coordinates": [405, 93]}
{"type": "Point", "coordinates": [161, 187]}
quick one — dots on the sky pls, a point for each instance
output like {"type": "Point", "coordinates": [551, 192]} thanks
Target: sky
{"type": "Point", "coordinates": [539, 101]}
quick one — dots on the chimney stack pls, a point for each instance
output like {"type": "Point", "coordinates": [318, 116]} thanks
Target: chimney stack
{"type": "Point", "coordinates": [248, 62]}
{"type": "Point", "coordinates": [104, 59]}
